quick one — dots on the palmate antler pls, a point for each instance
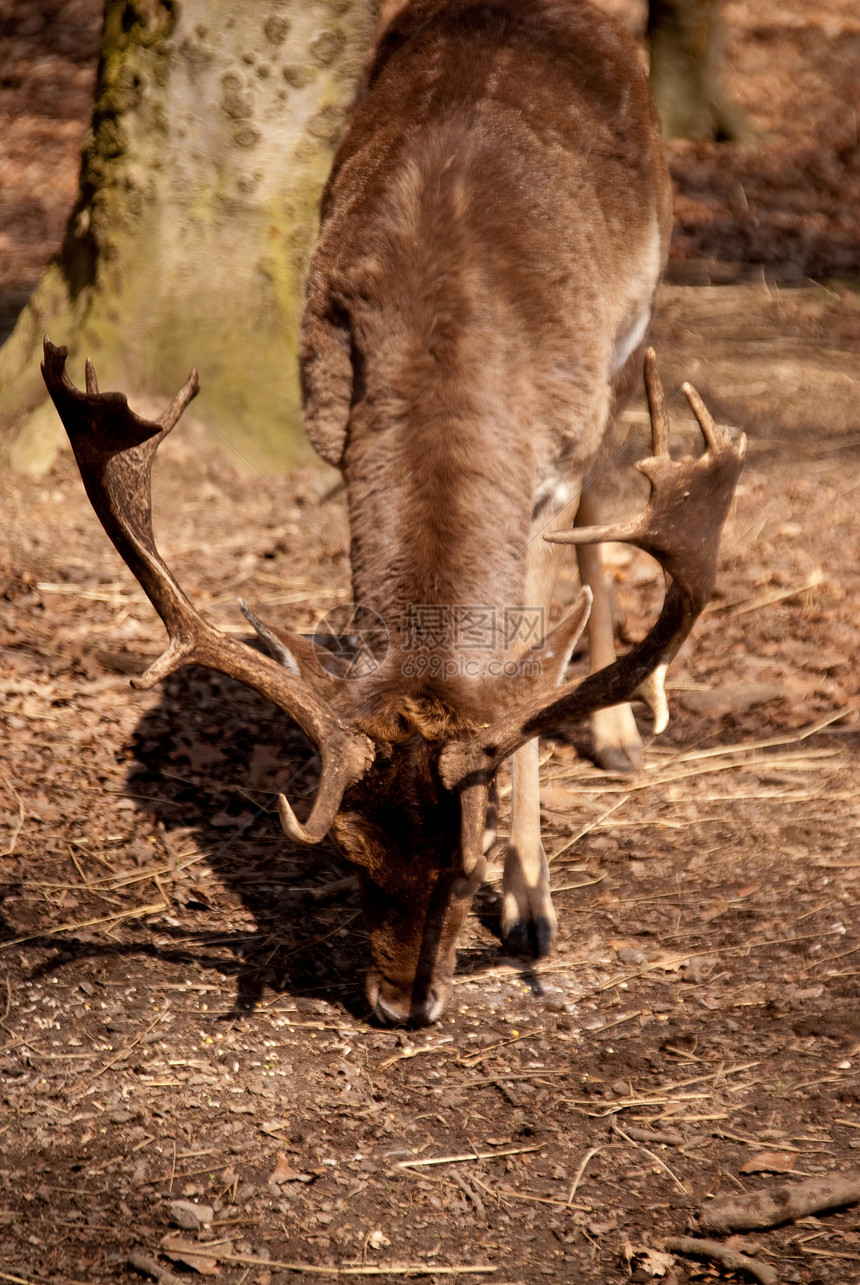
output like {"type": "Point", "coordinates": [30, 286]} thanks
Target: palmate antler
{"type": "Point", "coordinates": [114, 449]}
{"type": "Point", "coordinates": [680, 526]}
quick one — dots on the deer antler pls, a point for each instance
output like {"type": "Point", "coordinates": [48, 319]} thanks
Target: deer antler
{"type": "Point", "coordinates": [682, 521]}
{"type": "Point", "coordinates": [680, 526]}
{"type": "Point", "coordinates": [114, 449]}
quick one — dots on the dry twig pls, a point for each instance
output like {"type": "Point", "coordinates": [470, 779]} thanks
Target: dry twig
{"type": "Point", "coordinates": [472, 1155]}
{"type": "Point", "coordinates": [783, 1204]}
{"type": "Point", "coordinates": [722, 1254]}
{"type": "Point", "coordinates": [470, 1194]}
{"type": "Point", "coordinates": [830, 1253]}
{"type": "Point", "coordinates": [616, 1128]}
{"type": "Point", "coordinates": [589, 1155]}
{"type": "Point", "coordinates": [587, 828]}
{"type": "Point", "coordinates": [812, 581]}
{"type": "Point", "coordinates": [149, 1267]}
{"type": "Point", "coordinates": [393, 1269]}
{"type": "Point", "coordinates": [666, 1138]}
{"type": "Point", "coordinates": [125, 1051]}
{"type": "Point", "coordinates": [136, 913]}
{"type": "Point", "coordinates": [406, 1054]}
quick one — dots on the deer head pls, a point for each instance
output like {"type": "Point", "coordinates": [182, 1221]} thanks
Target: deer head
{"type": "Point", "coordinates": [405, 785]}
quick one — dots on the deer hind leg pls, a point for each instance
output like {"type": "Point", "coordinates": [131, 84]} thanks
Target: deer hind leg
{"type": "Point", "coordinates": [528, 916]}
{"type": "Point", "coordinates": [617, 744]}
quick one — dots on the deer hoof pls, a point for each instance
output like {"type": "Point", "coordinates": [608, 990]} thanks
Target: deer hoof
{"type": "Point", "coordinates": [619, 758]}
{"type": "Point", "coordinates": [534, 937]}
{"type": "Point", "coordinates": [617, 744]}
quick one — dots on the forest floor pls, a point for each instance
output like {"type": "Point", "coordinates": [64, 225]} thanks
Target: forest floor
{"type": "Point", "coordinates": [190, 1084]}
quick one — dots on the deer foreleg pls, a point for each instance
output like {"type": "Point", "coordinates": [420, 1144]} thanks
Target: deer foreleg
{"type": "Point", "coordinates": [617, 744]}
{"type": "Point", "coordinates": [528, 917]}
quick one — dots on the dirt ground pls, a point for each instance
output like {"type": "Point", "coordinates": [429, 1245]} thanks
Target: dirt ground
{"type": "Point", "coordinates": [189, 1082]}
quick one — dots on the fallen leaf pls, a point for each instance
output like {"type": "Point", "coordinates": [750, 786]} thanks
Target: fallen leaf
{"type": "Point", "coordinates": [184, 1251]}
{"type": "Point", "coordinates": [265, 760]}
{"type": "Point", "coordinates": [770, 1162]}
{"type": "Point", "coordinates": [699, 968]}
{"type": "Point", "coordinates": [285, 1172]}
{"type": "Point", "coordinates": [640, 1258]}
{"type": "Point", "coordinates": [670, 963]}
{"type": "Point", "coordinates": [378, 1240]}
{"type": "Point", "coordinates": [197, 898]}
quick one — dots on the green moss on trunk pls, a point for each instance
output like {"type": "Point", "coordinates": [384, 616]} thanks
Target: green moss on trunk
{"type": "Point", "coordinates": [212, 133]}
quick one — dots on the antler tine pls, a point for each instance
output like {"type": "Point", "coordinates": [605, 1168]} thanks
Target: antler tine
{"type": "Point", "coordinates": [680, 527]}
{"type": "Point", "coordinates": [660, 426]}
{"type": "Point", "coordinates": [636, 531]}
{"type": "Point", "coordinates": [115, 449]}
{"type": "Point", "coordinates": [712, 434]}
{"type": "Point", "coordinates": [473, 822]}
{"type": "Point", "coordinates": [681, 524]}
{"type": "Point", "coordinates": [336, 776]}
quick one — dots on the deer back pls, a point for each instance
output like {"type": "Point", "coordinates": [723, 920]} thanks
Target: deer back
{"type": "Point", "coordinates": [492, 233]}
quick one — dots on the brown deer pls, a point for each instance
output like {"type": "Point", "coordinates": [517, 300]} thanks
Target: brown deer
{"type": "Point", "coordinates": [492, 235]}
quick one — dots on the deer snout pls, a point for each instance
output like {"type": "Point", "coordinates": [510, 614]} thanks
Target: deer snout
{"type": "Point", "coordinates": [396, 1005]}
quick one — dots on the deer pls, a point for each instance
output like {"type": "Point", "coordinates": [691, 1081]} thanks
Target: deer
{"type": "Point", "coordinates": [492, 235]}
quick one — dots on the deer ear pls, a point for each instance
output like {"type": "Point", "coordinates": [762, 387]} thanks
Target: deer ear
{"type": "Point", "coordinates": [298, 655]}
{"type": "Point", "coordinates": [542, 667]}
{"type": "Point", "coordinates": [553, 655]}
{"type": "Point", "coordinates": [327, 375]}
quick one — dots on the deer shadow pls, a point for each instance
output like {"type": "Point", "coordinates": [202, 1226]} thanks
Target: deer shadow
{"type": "Point", "coordinates": [207, 763]}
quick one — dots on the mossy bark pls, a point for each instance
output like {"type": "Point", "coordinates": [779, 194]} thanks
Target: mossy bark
{"type": "Point", "coordinates": [212, 133]}
{"type": "Point", "coordinates": [685, 40]}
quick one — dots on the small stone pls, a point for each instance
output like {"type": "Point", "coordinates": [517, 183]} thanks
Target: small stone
{"type": "Point", "coordinates": [190, 1216]}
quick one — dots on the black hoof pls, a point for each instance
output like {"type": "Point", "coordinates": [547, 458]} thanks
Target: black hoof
{"type": "Point", "coordinates": [532, 937]}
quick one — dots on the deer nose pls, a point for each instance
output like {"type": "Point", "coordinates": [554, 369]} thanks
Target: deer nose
{"type": "Point", "coordinates": [403, 1008]}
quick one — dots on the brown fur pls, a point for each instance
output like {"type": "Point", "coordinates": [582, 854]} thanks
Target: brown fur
{"type": "Point", "coordinates": [430, 717]}
{"type": "Point", "coordinates": [492, 234]}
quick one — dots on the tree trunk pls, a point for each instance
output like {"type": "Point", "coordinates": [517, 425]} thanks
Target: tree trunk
{"type": "Point", "coordinates": [686, 50]}
{"type": "Point", "coordinates": [212, 134]}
